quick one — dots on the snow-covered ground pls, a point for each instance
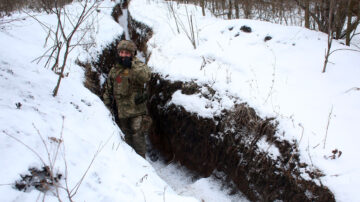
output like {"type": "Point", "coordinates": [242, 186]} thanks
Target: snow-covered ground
{"type": "Point", "coordinates": [117, 173]}
{"type": "Point", "coordinates": [185, 183]}
{"type": "Point", "coordinates": [281, 77]}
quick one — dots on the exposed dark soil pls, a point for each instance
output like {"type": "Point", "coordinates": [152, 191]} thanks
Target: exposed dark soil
{"type": "Point", "coordinates": [228, 144]}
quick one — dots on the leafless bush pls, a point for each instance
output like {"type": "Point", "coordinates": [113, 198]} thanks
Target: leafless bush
{"type": "Point", "coordinates": [62, 35]}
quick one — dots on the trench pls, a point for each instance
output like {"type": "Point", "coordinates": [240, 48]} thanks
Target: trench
{"type": "Point", "coordinates": [223, 147]}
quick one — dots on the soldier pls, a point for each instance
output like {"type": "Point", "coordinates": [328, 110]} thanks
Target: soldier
{"type": "Point", "coordinates": [125, 89]}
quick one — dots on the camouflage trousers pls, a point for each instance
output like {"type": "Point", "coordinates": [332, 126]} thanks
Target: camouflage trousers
{"type": "Point", "coordinates": [135, 129]}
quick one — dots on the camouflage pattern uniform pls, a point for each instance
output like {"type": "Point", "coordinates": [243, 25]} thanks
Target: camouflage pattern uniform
{"type": "Point", "coordinates": [125, 88]}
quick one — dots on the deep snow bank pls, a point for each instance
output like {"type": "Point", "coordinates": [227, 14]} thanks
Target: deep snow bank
{"type": "Point", "coordinates": [228, 142]}
{"type": "Point", "coordinates": [279, 78]}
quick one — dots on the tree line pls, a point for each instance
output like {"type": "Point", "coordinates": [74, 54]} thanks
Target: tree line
{"type": "Point", "coordinates": [339, 17]}
{"type": "Point", "coordinates": [9, 6]}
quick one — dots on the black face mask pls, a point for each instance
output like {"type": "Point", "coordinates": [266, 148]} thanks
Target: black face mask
{"type": "Point", "coordinates": [125, 61]}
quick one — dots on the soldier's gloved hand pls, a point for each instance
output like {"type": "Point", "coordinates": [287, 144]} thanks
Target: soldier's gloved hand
{"type": "Point", "coordinates": [140, 98]}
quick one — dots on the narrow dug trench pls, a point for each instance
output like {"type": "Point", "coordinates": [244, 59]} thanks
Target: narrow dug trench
{"type": "Point", "coordinates": [226, 144]}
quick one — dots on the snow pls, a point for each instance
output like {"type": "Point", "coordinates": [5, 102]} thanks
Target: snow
{"type": "Point", "coordinates": [76, 116]}
{"type": "Point", "coordinates": [185, 183]}
{"type": "Point", "coordinates": [280, 78]}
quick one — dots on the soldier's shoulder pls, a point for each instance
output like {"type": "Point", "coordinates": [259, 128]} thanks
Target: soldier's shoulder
{"type": "Point", "coordinates": [138, 64]}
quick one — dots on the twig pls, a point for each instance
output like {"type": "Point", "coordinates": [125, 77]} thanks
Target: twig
{"type": "Point", "coordinates": [351, 89]}
{"type": "Point", "coordinates": [77, 186]}
{"type": "Point", "coordinates": [53, 160]}
{"type": "Point", "coordinates": [172, 11]}
{"type": "Point", "coordinates": [327, 126]}
{"type": "Point", "coordinates": [345, 49]}
{"type": "Point", "coordinates": [27, 146]}
{"type": "Point", "coordinates": [273, 78]}
{"type": "Point", "coordinates": [308, 148]}
{"type": "Point", "coordinates": [66, 174]}
{"type": "Point", "coordinates": [330, 36]}
{"type": "Point", "coordinates": [45, 145]}
{"type": "Point", "coordinates": [142, 179]}
{"type": "Point", "coordinates": [58, 145]}
{"type": "Point", "coordinates": [41, 23]}
{"type": "Point", "coordinates": [143, 194]}
{"type": "Point", "coordinates": [164, 193]}
{"type": "Point", "coordinates": [302, 133]}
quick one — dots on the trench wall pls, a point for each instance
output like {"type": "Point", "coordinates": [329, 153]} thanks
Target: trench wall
{"type": "Point", "coordinates": [226, 144]}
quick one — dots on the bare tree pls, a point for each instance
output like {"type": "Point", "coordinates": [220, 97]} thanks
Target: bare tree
{"type": "Point", "coordinates": [236, 7]}
{"type": "Point", "coordinates": [65, 39]}
{"type": "Point", "coordinates": [307, 15]}
{"type": "Point", "coordinates": [330, 34]}
{"type": "Point", "coordinates": [202, 4]}
{"type": "Point", "coordinates": [62, 35]}
{"type": "Point", "coordinates": [313, 14]}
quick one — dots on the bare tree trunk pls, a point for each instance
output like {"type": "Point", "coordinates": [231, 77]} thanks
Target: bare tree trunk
{"type": "Point", "coordinates": [349, 16]}
{"type": "Point", "coordinates": [202, 4]}
{"type": "Point", "coordinates": [236, 7]}
{"type": "Point", "coordinates": [230, 10]}
{"type": "Point", "coordinates": [340, 14]}
{"type": "Point", "coordinates": [247, 9]}
{"type": "Point", "coordinates": [61, 75]}
{"type": "Point", "coordinates": [307, 14]}
{"type": "Point", "coordinates": [330, 34]}
{"type": "Point", "coordinates": [223, 7]}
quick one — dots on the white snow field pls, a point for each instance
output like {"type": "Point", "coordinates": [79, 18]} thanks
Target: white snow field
{"type": "Point", "coordinates": [281, 77]}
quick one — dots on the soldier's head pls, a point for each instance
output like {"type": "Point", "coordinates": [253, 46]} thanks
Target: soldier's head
{"type": "Point", "coordinates": [126, 48]}
{"type": "Point", "coordinates": [126, 51]}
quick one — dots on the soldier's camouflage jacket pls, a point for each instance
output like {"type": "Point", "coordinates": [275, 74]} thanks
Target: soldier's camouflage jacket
{"type": "Point", "coordinates": [124, 85]}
